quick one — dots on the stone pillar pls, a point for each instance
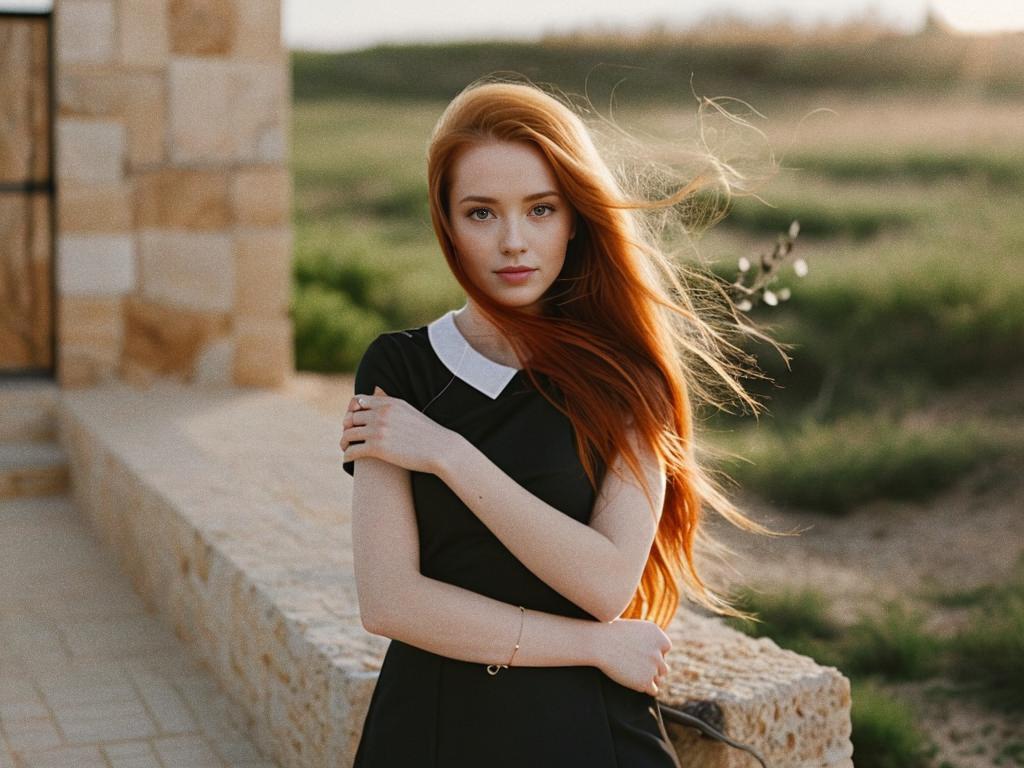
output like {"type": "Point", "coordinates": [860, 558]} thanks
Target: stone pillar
{"type": "Point", "coordinates": [173, 192]}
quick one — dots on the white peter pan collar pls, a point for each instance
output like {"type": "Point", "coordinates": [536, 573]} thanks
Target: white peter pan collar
{"type": "Point", "coordinates": [464, 361]}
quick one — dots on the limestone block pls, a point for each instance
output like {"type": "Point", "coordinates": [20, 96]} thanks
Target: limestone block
{"type": "Point", "coordinates": [137, 98]}
{"type": "Point", "coordinates": [91, 322]}
{"type": "Point", "coordinates": [166, 340]}
{"type": "Point", "coordinates": [82, 368]}
{"type": "Point", "coordinates": [258, 32]}
{"type": "Point", "coordinates": [213, 365]}
{"type": "Point", "coordinates": [203, 27]}
{"type": "Point", "coordinates": [162, 569]}
{"type": "Point", "coordinates": [188, 269]}
{"type": "Point", "coordinates": [272, 144]}
{"type": "Point", "coordinates": [263, 267]}
{"type": "Point", "coordinates": [85, 31]}
{"type": "Point", "coordinates": [100, 207]}
{"type": "Point", "coordinates": [143, 35]}
{"type": "Point", "coordinates": [147, 143]}
{"type": "Point", "coordinates": [132, 372]}
{"type": "Point", "coordinates": [200, 119]}
{"type": "Point", "coordinates": [90, 150]}
{"type": "Point", "coordinates": [227, 111]}
{"type": "Point", "coordinates": [96, 265]}
{"type": "Point", "coordinates": [29, 413]}
{"type": "Point", "coordinates": [262, 196]}
{"type": "Point", "coordinates": [350, 694]}
{"type": "Point", "coordinates": [252, 622]}
{"type": "Point", "coordinates": [264, 352]}
{"type": "Point", "coordinates": [119, 499]}
{"type": "Point", "coordinates": [795, 710]}
{"type": "Point", "coordinates": [179, 198]}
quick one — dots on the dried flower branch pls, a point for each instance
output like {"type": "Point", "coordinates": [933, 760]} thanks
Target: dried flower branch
{"type": "Point", "coordinates": [745, 295]}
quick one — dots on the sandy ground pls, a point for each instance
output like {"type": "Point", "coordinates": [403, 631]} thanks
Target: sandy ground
{"type": "Point", "coordinates": [968, 536]}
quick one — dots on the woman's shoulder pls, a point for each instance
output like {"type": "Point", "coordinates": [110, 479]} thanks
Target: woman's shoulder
{"type": "Point", "coordinates": [408, 342]}
{"type": "Point", "coordinates": [402, 353]}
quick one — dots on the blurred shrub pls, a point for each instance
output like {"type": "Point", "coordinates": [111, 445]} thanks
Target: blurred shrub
{"type": "Point", "coordinates": [796, 619]}
{"type": "Point", "coordinates": [833, 467]}
{"type": "Point", "coordinates": [884, 732]}
{"type": "Point", "coordinates": [819, 219]}
{"type": "Point", "coordinates": [331, 332]}
{"type": "Point", "coordinates": [895, 646]}
{"type": "Point", "coordinates": [988, 655]}
{"type": "Point", "coordinates": [1006, 172]}
{"type": "Point", "coordinates": [352, 277]}
{"type": "Point", "coordinates": [861, 343]}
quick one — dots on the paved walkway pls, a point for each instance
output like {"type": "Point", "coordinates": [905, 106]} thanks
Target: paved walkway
{"type": "Point", "coordinates": [89, 678]}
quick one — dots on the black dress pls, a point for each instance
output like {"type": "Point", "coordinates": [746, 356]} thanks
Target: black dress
{"type": "Point", "coordinates": [431, 711]}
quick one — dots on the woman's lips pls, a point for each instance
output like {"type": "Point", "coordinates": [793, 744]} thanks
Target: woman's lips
{"type": "Point", "coordinates": [517, 277]}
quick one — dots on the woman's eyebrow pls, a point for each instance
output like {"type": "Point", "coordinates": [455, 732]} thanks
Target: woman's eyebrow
{"type": "Point", "coordinates": [479, 199]}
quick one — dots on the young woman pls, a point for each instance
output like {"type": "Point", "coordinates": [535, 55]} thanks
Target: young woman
{"type": "Point", "coordinates": [528, 497]}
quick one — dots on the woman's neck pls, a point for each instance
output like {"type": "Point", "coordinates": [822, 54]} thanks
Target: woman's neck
{"type": "Point", "coordinates": [484, 337]}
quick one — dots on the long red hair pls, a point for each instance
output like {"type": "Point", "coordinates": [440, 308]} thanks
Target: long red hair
{"type": "Point", "coordinates": [619, 332]}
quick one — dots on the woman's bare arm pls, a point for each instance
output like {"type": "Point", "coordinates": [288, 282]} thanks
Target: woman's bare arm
{"type": "Point", "coordinates": [596, 566]}
{"type": "Point", "coordinates": [397, 601]}
{"type": "Point", "coordinates": [462, 624]}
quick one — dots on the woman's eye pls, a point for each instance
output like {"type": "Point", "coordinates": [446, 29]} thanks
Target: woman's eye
{"type": "Point", "coordinates": [473, 214]}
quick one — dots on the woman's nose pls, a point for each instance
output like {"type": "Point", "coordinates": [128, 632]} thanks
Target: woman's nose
{"type": "Point", "coordinates": [512, 240]}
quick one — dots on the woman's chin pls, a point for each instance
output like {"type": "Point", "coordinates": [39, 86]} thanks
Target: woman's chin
{"type": "Point", "coordinates": [516, 297]}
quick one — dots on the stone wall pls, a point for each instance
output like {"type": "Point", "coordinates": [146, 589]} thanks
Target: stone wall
{"type": "Point", "coordinates": [235, 526]}
{"type": "Point", "coordinates": [173, 192]}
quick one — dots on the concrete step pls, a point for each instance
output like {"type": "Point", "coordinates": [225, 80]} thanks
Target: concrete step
{"type": "Point", "coordinates": [28, 409]}
{"type": "Point", "coordinates": [32, 468]}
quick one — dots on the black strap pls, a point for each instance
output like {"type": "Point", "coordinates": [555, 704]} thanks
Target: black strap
{"type": "Point", "coordinates": [685, 718]}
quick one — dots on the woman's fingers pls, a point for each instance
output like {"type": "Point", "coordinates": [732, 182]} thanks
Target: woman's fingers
{"type": "Point", "coordinates": [352, 434]}
{"type": "Point", "coordinates": [360, 402]}
{"type": "Point", "coordinates": [351, 416]}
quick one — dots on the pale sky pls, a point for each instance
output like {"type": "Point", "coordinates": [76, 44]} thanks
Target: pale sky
{"type": "Point", "coordinates": [342, 24]}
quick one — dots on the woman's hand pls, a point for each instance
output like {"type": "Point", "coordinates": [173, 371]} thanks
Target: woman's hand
{"type": "Point", "coordinates": [394, 431]}
{"type": "Point", "coordinates": [632, 653]}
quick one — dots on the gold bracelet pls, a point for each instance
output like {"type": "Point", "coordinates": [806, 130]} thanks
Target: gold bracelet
{"type": "Point", "coordinates": [492, 669]}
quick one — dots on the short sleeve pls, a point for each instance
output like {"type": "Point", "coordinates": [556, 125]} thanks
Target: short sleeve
{"type": "Point", "coordinates": [381, 366]}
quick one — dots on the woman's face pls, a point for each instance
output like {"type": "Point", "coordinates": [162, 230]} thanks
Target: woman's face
{"type": "Point", "coordinates": [507, 211]}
